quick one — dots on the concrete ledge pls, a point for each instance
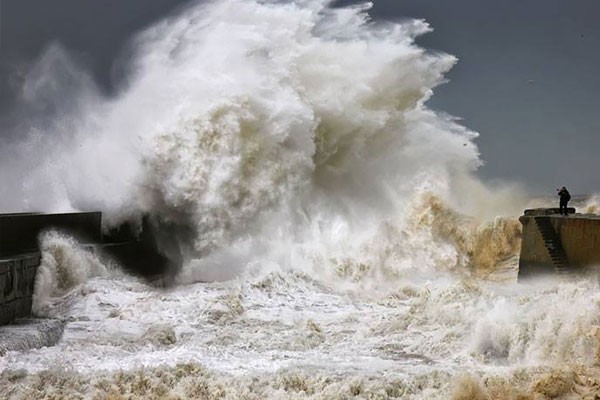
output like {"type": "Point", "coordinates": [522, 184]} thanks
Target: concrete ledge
{"type": "Point", "coordinates": [19, 232]}
{"type": "Point", "coordinates": [536, 212]}
{"type": "Point", "coordinates": [133, 245]}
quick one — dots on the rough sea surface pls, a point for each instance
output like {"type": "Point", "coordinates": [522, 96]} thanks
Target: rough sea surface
{"type": "Point", "coordinates": [336, 241]}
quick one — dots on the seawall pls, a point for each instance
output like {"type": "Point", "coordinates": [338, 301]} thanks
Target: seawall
{"type": "Point", "coordinates": [20, 257]}
{"type": "Point", "coordinates": [17, 278]}
{"type": "Point", "coordinates": [558, 244]}
{"type": "Point", "coordinates": [133, 246]}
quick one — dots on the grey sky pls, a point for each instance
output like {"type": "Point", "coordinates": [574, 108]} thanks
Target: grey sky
{"type": "Point", "coordinates": [545, 133]}
{"type": "Point", "coordinates": [527, 78]}
{"type": "Point", "coordinates": [94, 31]}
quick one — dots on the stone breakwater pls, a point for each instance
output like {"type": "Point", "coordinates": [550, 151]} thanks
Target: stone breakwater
{"type": "Point", "coordinates": [558, 244]}
{"type": "Point", "coordinates": [20, 256]}
{"type": "Point", "coordinates": [132, 246]}
{"type": "Point", "coordinates": [17, 278]}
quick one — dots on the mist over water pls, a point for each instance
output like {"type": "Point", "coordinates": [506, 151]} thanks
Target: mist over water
{"type": "Point", "coordinates": [335, 239]}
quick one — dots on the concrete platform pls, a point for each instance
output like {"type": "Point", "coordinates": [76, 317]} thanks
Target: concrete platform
{"type": "Point", "coordinates": [558, 244]}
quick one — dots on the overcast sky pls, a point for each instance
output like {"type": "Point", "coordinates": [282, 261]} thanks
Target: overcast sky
{"type": "Point", "coordinates": [527, 78]}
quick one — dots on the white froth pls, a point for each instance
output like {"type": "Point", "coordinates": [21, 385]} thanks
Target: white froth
{"type": "Point", "coordinates": [333, 228]}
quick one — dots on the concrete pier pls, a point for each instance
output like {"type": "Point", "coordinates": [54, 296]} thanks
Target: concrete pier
{"type": "Point", "coordinates": [20, 257]}
{"type": "Point", "coordinates": [19, 232]}
{"type": "Point", "coordinates": [558, 244]}
{"type": "Point", "coordinates": [133, 248]}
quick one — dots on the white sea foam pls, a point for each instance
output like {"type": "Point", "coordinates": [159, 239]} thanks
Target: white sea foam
{"type": "Point", "coordinates": [64, 266]}
{"type": "Point", "coordinates": [334, 233]}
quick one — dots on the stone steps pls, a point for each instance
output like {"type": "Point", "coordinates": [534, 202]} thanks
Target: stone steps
{"type": "Point", "coordinates": [553, 245]}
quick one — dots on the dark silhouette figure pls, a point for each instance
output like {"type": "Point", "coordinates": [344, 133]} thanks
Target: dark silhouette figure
{"type": "Point", "coordinates": [565, 196]}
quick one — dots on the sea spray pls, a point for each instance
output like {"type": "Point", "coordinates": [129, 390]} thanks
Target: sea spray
{"type": "Point", "coordinates": [333, 228]}
{"type": "Point", "coordinates": [64, 265]}
{"type": "Point", "coordinates": [241, 115]}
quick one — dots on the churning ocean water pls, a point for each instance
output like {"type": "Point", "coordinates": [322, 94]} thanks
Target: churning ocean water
{"type": "Point", "coordinates": [336, 242]}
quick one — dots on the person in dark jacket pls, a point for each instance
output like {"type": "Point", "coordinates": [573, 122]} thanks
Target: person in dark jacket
{"type": "Point", "coordinates": [565, 196]}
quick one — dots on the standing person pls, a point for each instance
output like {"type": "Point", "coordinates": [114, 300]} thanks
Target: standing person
{"type": "Point", "coordinates": [565, 196]}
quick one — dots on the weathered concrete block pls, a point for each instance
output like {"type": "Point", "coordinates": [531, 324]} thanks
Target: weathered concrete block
{"type": "Point", "coordinates": [8, 281]}
{"type": "Point", "coordinates": [20, 283]}
{"type": "Point", "coordinates": [30, 276]}
{"type": "Point", "coordinates": [17, 281]}
{"type": "Point", "coordinates": [7, 313]}
{"type": "Point", "coordinates": [22, 307]}
{"type": "Point", "coordinates": [5, 285]}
